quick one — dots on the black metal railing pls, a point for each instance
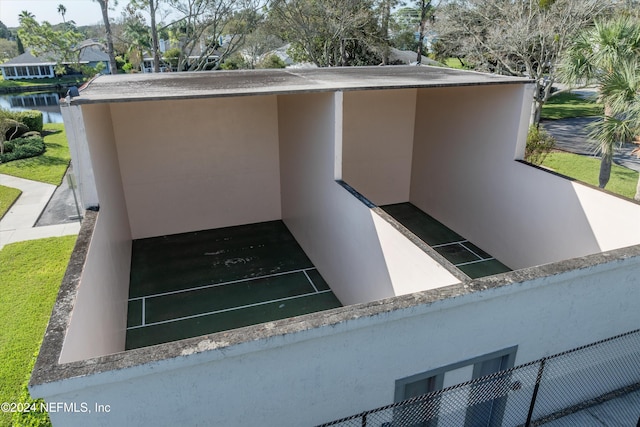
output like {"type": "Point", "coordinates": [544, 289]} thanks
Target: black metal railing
{"type": "Point", "coordinates": [527, 395]}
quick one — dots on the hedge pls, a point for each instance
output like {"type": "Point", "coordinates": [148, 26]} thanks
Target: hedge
{"type": "Point", "coordinates": [21, 148]}
{"type": "Point", "coordinates": [31, 119]}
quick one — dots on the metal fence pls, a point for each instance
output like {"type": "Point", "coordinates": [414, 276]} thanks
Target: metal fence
{"type": "Point", "coordinates": [526, 395]}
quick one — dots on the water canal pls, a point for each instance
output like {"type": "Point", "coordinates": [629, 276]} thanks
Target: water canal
{"type": "Point", "coordinates": [47, 102]}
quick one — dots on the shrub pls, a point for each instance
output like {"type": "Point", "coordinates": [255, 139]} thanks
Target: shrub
{"type": "Point", "coordinates": [172, 56]}
{"type": "Point", "coordinates": [35, 416]}
{"type": "Point", "coordinates": [272, 61]}
{"type": "Point", "coordinates": [31, 119]}
{"type": "Point", "coordinates": [22, 148]}
{"type": "Point", "coordinates": [120, 62]}
{"type": "Point", "coordinates": [539, 144]}
{"type": "Point", "coordinates": [234, 62]}
{"type": "Point", "coordinates": [13, 129]}
{"type": "Point", "coordinates": [89, 72]}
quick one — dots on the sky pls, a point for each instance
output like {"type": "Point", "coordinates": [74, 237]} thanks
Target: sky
{"type": "Point", "coordinates": [83, 12]}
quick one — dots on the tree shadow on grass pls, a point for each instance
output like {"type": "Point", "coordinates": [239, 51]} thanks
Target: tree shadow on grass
{"type": "Point", "coordinates": [47, 132]}
{"type": "Point", "coordinates": [53, 145]}
{"type": "Point", "coordinates": [40, 160]}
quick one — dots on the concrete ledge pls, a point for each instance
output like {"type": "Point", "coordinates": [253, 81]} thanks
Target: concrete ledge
{"type": "Point", "coordinates": [187, 85]}
{"type": "Point", "coordinates": [61, 315]}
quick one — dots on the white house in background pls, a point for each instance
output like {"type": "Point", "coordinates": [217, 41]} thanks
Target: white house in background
{"type": "Point", "coordinates": [28, 66]}
{"type": "Point", "coordinates": [322, 150]}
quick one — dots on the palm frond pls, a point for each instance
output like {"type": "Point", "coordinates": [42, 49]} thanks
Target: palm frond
{"type": "Point", "coordinates": [609, 132]}
{"type": "Point", "coordinates": [621, 87]}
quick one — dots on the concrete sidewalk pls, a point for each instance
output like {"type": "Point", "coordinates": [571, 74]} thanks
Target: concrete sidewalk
{"type": "Point", "coordinates": [623, 411]}
{"type": "Point", "coordinates": [18, 223]}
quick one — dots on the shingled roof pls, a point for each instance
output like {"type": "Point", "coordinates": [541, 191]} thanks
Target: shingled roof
{"type": "Point", "coordinates": [27, 59]}
{"type": "Point", "coordinates": [88, 53]}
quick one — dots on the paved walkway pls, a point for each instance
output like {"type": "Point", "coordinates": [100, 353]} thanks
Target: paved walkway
{"type": "Point", "coordinates": [623, 411]}
{"type": "Point", "coordinates": [572, 135]}
{"type": "Point", "coordinates": [18, 223]}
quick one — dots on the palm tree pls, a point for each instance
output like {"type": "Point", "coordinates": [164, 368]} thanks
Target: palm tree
{"type": "Point", "coordinates": [607, 55]}
{"type": "Point", "coordinates": [25, 14]}
{"type": "Point", "coordinates": [62, 10]}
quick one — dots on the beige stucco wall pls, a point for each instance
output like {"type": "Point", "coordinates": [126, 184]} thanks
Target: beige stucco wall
{"type": "Point", "coordinates": [341, 235]}
{"type": "Point", "coordinates": [190, 165]}
{"type": "Point", "coordinates": [464, 174]}
{"type": "Point", "coordinates": [98, 321]}
{"type": "Point", "coordinates": [378, 128]}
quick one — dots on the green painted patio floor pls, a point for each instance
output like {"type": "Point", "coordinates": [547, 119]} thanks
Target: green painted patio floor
{"type": "Point", "coordinates": [466, 256]}
{"type": "Point", "coordinates": [192, 284]}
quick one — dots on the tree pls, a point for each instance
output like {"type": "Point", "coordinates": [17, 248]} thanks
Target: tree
{"type": "Point", "coordinates": [62, 45]}
{"type": "Point", "coordinates": [62, 10]}
{"type": "Point", "coordinates": [426, 14]}
{"type": "Point", "coordinates": [152, 8]}
{"type": "Point", "coordinates": [211, 28]}
{"type": "Point", "coordinates": [135, 36]}
{"type": "Point", "coordinates": [8, 50]}
{"type": "Point", "coordinates": [257, 44]}
{"type": "Point", "coordinates": [104, 7]}
{"type": "Point", "coordinates": [607, 55]}
{"type": "Point", "coordinates": [385, 8]}
{"type": "Point", "coordinates": [519, 38]}
{"type": "Point", "coordinates": [329, 32]}
{"type": "Point", "coordinates": [4, 31]}
{"type": "Point", "coordinates": [19, 45]}
{"type": "Point", "coordinates": [405, 23]}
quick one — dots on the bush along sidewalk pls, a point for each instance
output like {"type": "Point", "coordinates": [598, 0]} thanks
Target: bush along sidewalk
{"type": "Point", "coordinates": [20, 135]}
{"type": "Point", "coordinates": [539, 145]}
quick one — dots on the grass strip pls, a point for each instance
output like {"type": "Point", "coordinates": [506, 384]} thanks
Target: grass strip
{"type": "Point", "coordinates": [31, 273]}
{"type": "Point", "coordinates": [48, 167]}
{"type": "Point", "coordinates": [586, 169]}
{"type": "Point", "coordinates": [8, 196]}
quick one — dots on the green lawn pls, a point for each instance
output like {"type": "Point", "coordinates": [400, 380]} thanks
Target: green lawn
{"type": "Point", "coordinates": [48, 167]}
{"type": "Point", "coordinates": [455, 63]}
{"type": "Point", "coordinates": [586, 169]}
{"type": "Point", "coordinates": [567, 105]}
{"type": "Point", "coordinates": [40, 82]}
{"type": "Point", "coordinates": [31, 274]}
{"type": "Point", "coordinates": [7, 197]}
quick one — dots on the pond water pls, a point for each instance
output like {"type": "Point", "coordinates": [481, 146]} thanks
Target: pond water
{"type": "Point", "coordinates": [47, 102]}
